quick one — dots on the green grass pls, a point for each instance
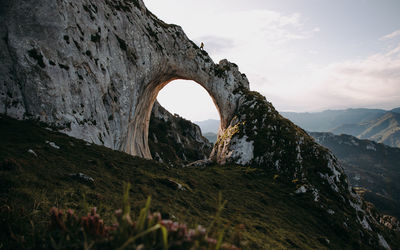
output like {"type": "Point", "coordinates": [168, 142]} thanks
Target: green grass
{"type": "Point", "coordinates": [267, 209]}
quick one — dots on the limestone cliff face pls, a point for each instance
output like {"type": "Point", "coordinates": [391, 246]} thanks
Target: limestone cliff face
{"type": "Point", "coordinates": [175, 140]}
{"type": "Point", "coordinates": [94, 68]}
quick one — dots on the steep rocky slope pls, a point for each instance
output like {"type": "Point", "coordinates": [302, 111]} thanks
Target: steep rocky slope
{"type": "Point", "coordinates": [94, 69]}
{"type": "Point", "coordinates": [174, 140]}
{"type": "Point", "coordinates": [372, 166]}
{"type": "Point", "coordinates": [271, 142]}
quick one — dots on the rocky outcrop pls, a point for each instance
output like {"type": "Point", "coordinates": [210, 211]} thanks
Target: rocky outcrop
{"type": "Point", "coordinates": [174, 140]}
{"type": "Point", "coordinates": [94, 69]}
{"type": "Point", "coordinates": [371, 167]}
{"type": "Point", "coordinates": [259, 136]}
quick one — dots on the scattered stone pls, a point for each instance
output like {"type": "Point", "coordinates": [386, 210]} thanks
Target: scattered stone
{"type": "Point", "coordinates": [52, 144]}
{"type": "Point", "coordinates": [180, 187]}
{"type": "Point", "coordinates": [330, 211]}
{"type": "Point", "coordinates": [32, 152]}
{"type": "Point", "coordinates": [172, 184]}
{"type": "Point", "coordinates": [82, 177]}
{"type": "Point", "coordinates": [301, 190]}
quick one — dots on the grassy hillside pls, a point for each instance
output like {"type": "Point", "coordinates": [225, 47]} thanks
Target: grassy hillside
{"type": "Point", "coordinates": [38, 170]}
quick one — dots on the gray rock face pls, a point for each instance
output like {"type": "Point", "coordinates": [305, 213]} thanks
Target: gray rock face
{"type": "Point", "coordinates": [175, 140]}
{"type": "Point", "coordinates": [95, 70]}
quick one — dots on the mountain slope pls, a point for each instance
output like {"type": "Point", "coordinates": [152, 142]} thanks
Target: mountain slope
{"type": "Point", "coordinates": [396, 110]}
{"type": "Point", "coordinates": [369, 165]}
{"type": "Point", "coordinates": [373, 124]}
{"type": "Point", "coordinates": [272, 214]}
{"type": "Point", "coordinates": [385, 129]}
{"type": "Point", "coordinates": [209, 126]}
{"type": "Point", "coordinates": [327, 120]}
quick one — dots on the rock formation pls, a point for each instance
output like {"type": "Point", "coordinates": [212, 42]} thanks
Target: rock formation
{"type": "Point", "coordinates": [174, 140]}
{"type": "Point", "coordinates": [94, 69]}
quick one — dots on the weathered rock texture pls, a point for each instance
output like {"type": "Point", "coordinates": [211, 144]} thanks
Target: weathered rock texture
{"type": "Point", "coordinates": [175, 140]}
{"type": "Point", "coordinates": [94, 68]}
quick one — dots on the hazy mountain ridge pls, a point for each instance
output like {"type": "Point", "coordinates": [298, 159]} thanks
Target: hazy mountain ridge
{"type": "Point", "coordinates": [369, 165]}
{"type": "Point", "coordinates": [374, 124]}
{"type": "Point", "coordinates": [210, 125]}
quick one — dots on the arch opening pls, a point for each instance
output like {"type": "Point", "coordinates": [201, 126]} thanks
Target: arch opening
{"type": "Point", "coordinates": [137, 140]}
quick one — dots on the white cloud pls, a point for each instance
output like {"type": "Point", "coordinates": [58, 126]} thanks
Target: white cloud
{"type": "Point", "coordinates": [391, 35]}
{"type": "Point", "coordinates": [372, 82]}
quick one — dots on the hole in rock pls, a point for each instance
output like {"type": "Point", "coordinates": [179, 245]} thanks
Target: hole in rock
{"type": "Point", "coordinates": [173, 139]}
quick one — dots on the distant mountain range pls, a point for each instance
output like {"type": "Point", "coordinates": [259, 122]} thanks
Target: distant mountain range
{"type": "Point", "coordinates": [211, 137]}
{"type": "Point", "coordinates": [208, 126]}
{"type": "Point", "coordinates": [374, 124]}
{"type": "Point", "coordinates": [372, 167]}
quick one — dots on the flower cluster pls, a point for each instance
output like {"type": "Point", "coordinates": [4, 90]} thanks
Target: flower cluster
{"type": "Point", "coordinates": [149, 231]}
{"type": "Point", "coordinates": [91, 224]}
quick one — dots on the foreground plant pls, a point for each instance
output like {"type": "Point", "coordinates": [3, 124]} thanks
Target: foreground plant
{"type": "Point", "coordinates": [148, 231]}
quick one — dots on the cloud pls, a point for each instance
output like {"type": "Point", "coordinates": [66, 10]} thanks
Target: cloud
{"type": "Point", "coordinates": [372, 82]}
{"type": "Point", "coordinates": [391, 35]}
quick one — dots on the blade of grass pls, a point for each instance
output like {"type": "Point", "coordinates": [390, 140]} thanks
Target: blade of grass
{"type": "Point", "coordinates": [141, 234]}
{"type": "Point", "coordinates": [164, 232]}
{"type": "Point", "coordinates": [143, 216]}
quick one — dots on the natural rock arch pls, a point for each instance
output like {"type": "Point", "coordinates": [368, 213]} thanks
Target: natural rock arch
{"type": "Point", "coordinates": [223, 98]}
{"type": "Point", "coordinates": [99, 71]}
{"type": "Point", "coordinates": [141, 120]}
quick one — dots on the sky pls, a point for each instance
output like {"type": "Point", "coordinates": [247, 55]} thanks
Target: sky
{"type": "Point", "coordinates": [303, 55]}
